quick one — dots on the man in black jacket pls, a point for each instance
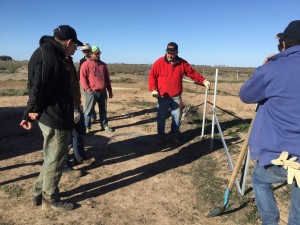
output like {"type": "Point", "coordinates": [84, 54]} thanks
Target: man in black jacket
{"type": "Point", "coordinates": [51, 103]}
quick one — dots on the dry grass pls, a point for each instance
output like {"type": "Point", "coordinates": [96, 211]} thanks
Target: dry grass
{"type": "Point", "coordinates": [209, 172]}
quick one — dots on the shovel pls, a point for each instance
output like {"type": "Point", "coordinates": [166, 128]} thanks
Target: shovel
{"type": "Point", "coordinates": [218, 210]}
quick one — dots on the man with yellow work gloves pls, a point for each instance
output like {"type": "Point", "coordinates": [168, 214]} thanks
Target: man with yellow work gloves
{"type": "Point", "coordinates": [274, 141]}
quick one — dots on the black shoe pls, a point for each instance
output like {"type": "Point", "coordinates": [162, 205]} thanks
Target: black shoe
{"type": "Point", "coordinates": [75, 173]}
{"type": "Point", "coordinates": [84, 161]}
{"type": "Point", "coordinates": [57, 205]}
{"type": "Point", "coordinates": [163, 139]}
{"type": "Point", "coordinates": [174, 140]}
{"type": "Point", "coordinates": [68, 169]}
{"type": "Point", "coordinates": [36, 200]}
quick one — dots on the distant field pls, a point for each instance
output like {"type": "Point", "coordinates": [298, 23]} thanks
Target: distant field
{"type": "Point", "coordinates": [225, 73]}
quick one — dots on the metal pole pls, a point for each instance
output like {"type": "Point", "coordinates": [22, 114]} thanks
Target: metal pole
{"type": "Point", "coordinates": [204, 112]}
{"type": "Point", "coordinates": [214, 105]}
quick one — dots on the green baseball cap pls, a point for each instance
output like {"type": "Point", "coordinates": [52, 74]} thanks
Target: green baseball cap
{"type": "Point", "coordinates": [95, 49]}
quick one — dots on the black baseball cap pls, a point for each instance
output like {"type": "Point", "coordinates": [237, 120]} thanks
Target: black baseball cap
{"type": "Point", "coordinates": [172, 47]}
{"type": "Point", "coordinates": [292, 32]}
{"type": "Point", "coordinates": [66, 32]}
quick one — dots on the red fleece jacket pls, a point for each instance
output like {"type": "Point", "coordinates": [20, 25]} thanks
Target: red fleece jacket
{"type": "Point", "coordinates": [166, 77]}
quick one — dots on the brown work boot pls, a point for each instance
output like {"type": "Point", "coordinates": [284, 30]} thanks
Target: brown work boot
{"type": "Point", "coordinates": [58, 205]}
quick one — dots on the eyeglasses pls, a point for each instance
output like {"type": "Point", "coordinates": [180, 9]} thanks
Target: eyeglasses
{"type": "Point", "coordinates": [76, 45]}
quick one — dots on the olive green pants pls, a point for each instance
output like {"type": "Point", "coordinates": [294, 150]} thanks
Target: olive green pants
{"type": "Point", "coordinates": [55, 150]}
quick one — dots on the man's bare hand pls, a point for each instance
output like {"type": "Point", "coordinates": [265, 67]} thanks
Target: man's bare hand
{"type": "Point", "coordinates": [33, 116]}
{"type": "Point", "coordinates": [267, 58]}
{"type": "Point", "coordinates": [26, 125]}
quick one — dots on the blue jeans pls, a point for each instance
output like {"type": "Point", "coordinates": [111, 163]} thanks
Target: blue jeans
{"type": "Point", "coordinates": [93, 112]}
{"type": "Point", "coordinates": [262, 179]}
{"type": "Point", "coordinates": [78, 145]}
{"type": "Point", "coordinates": [55, 149]}
{"type": "Point", "coordinates": [163, 106]}
{"type": "Point", "coordinates": [91, 99]}
{"type": "Point", "coordinates": [77, 140]}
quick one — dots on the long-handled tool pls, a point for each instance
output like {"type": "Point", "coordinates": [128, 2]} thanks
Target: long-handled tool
{"type": "Point", "coordinates": [217, 211]}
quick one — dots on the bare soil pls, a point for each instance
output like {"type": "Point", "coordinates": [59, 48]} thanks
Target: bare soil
{"type": "Point", "coordinates": [133, 180]}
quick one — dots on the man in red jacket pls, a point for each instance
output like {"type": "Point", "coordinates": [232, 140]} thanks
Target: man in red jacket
{"type": "Point", "coordinates": [95, 80]}
{"type": "Point", "coordinates": [165, 84]}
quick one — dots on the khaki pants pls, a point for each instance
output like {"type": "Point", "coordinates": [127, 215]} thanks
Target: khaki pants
{"type": "Point", "coordinates": [55, 149]}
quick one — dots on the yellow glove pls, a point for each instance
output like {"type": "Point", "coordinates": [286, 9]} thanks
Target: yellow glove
{"type": "Point", "coordinates": [281, 160]}
{"type": "Point", "coordinates": [155, 94]}
{"type": "Point", "coordinates": [206, 83]}
{"type": "Point", "coordinates": [294, 173]}
{"type": "Point", "coordinates": [291, 165]}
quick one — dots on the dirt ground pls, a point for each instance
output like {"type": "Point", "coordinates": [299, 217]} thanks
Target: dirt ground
{"type": "Point", "coordinates": [133, 179]}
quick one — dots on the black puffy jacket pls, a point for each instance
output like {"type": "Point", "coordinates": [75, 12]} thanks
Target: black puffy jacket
{"type": "Point", "coordinates": [49, 86]}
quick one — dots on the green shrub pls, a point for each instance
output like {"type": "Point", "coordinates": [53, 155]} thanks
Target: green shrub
{"type": "Point", "coordinates": [13, 92]}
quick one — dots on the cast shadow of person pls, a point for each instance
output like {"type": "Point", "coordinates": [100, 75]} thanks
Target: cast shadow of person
{"type": "Point", "coordinates": [14, 140]}
{"type": "Point", "coordinates": [133, 114]}
{"type": "Point", "coordinates": [107, 151]}
{"type": "Point", "coordinates": [187, 154]}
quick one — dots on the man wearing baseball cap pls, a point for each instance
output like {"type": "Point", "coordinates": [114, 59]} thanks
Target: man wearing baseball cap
{"type": "Point", "coordinates": [274, 141]}
{"type": "Point", "coordinates": [165, 84]}
{"type": "Point", "coordinates": [95, 80]}
{"type": "Point", "coordinates": [51, 104]}
{"type": "Point", "coordinates": [86, 50]}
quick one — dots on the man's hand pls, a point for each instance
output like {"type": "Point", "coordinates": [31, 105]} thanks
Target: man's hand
{"type": "Point", "coordinates": [33, 116]}
{"type": "Point", "coordinates": [206, 83]}
{"type": "Point", "coordinates": [76, 116]}
{"type": "Point", "coordinates": [268, 57]}
{"type": "Point", "coordinates": [26, 125]}
{"type": "Point", "coordinates": [110, 94]}
{"type": "Point", "coordinates": [155, 94]}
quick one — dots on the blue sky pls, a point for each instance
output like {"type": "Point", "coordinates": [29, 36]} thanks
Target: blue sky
{"type": "Point", "coordinates": [214, 32]}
